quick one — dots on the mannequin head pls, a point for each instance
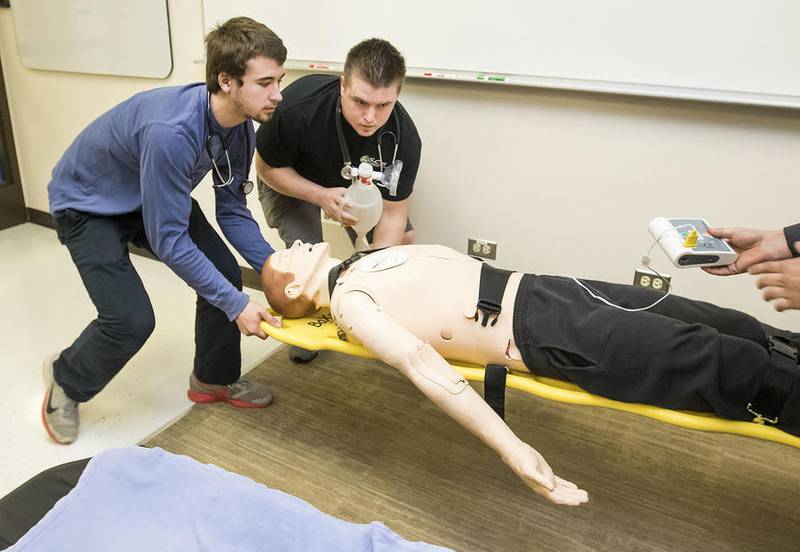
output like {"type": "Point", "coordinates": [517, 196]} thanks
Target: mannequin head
{"type": "Point", "coordinates": [293, 278]}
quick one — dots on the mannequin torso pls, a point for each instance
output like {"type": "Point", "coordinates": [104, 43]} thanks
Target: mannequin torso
{"type": "Point", "coordinates": [440, 312]}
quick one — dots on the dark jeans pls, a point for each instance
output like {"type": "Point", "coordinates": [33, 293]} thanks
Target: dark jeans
{"type": "Point", "coordinates": [680, 354]}
{"type": "Point", "coordinates": [99, 248]}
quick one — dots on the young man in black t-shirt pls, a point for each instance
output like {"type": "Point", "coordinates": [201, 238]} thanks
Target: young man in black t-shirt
{"type": "Point", "coordinates": [300, 156]}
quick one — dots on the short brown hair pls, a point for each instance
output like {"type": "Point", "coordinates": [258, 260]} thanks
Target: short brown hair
{"type": "Point", "coordinates": [274, 283]}
{"type": "Point", "coordinates": [232, 44]}
{"type": "Point", "coordinates": [377, 62]}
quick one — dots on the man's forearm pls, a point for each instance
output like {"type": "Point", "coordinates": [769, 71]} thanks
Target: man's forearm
{"type": "Point", "coordinates": [392, 227]}
{"type": "Point", "coordinates": [287, 181]}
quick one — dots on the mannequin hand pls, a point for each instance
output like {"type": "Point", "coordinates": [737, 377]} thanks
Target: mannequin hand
{"type": "Point", "coordinates": [753, 247]}
{"type": "Point", "coordinates": [532, 468]}
{"type": "Point", "coordinates": [333, 202]}
{"type": "Point", "coordinates": [249, 320]}
{"type": "Point", "coordinates": [780, 281]}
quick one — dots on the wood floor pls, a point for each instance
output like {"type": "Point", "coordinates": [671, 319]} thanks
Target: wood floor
{"type": "Point", "coordinates": [358, 441]}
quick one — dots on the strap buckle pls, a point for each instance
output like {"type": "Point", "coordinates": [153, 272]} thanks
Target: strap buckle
{"type": "Point", "coordinates": [778, 379]}
{"type": "Point", "coordinates": [760, 418]}
{"type": "Point", "coordinates": [783, 347]}
{"type": "Point", "coordinates": [489, 309]}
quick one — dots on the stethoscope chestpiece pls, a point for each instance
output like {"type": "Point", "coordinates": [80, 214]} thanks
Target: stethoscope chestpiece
{"type": "Point", "coordinates": [347, 169]}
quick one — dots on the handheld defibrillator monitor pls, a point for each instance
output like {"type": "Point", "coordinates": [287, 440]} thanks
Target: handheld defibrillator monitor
{"type": "Point", "coordinates": [687, 243]}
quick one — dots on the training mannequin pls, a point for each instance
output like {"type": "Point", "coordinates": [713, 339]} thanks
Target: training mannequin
{"type": "Point", "coordinates": [415, 305]}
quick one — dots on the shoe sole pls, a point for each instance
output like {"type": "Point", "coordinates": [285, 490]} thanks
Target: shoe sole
{"type": "Point", "coordinates": [204, 398]}
{"type": "Point", "coordinates": [48, 382]}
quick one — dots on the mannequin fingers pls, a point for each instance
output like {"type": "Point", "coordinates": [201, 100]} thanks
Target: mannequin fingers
{"type": "Point", "coordinates": [570, 497]}
{"type": "Point", "coordinates": [543, 477]}
{"type": "Point", "coordinates": [565, 496]}
{"type": "Point", "coordinates": [565, 483]}
{"type": "Point", "coordinates": [573, 497]}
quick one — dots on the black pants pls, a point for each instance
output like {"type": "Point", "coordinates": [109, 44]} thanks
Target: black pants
{"type": "Point", "coordinates": [680, 354]}
{"type": "Point", "coordinates": [99, 248]}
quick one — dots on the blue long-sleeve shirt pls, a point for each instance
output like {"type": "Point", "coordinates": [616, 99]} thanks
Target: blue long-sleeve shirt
{"type": "Point", "coordinates": [147, 154]}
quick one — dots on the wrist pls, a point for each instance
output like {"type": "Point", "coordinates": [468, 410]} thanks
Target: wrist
{"type": "Point", "coordinates": [240, 307]}
{"type": "Point", "coordinates": [315, 195]}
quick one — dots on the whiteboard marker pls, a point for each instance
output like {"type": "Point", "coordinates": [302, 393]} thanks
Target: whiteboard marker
{"type": "Point", "coordinates": [495, 78]}
{"type": "Point", "coordinates": [439, 75]}
{"type": "Point", "coordinates": [318, 66]}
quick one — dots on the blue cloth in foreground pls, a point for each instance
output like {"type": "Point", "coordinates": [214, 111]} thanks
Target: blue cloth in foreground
{"type": "Point", "coordinates": [148, 499]}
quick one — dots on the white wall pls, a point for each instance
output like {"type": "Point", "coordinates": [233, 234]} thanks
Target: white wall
{"type": "Point", "coordinates": [564, 182]}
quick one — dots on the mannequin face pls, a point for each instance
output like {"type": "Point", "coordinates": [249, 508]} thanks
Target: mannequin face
{"type": "Point", "coordinates": [303, 260]}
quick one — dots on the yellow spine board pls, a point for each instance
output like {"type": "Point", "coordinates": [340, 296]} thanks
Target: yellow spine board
{"type": "Point", "coordinates": [320, 332]}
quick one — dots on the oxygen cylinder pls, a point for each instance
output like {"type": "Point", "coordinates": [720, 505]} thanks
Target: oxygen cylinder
{"type": "Point", "coordinates": [366, 205]}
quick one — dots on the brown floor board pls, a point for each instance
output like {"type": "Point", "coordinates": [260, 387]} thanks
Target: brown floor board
{"type": "Point", "coordinates": [358, 441]}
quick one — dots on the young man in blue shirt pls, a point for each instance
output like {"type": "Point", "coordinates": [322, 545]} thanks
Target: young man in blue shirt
{"type": "Point", "coordinates": [128, 177]}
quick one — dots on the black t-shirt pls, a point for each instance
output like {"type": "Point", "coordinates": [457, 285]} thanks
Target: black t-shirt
{"type": "Point", "coordinates": [302, 135]}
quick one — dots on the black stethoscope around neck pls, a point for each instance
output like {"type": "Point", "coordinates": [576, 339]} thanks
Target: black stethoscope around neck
{"type": "Point", "coordinates": [347, 162]}
{"type": "Point", "coordinates": [247, 185]}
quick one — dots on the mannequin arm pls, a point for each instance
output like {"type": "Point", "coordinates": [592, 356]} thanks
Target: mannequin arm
{"type": "Point", "coordinates": [430, 373]}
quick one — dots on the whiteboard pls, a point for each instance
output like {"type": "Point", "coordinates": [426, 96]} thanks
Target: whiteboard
{"type": "Point", "coordinates": [108, 37]}
{"type": "Point", "coordinates": [741, 51]}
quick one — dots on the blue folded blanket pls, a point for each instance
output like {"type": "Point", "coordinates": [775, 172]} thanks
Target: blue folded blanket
{"type": "Point", "coordinates": [148, 499]}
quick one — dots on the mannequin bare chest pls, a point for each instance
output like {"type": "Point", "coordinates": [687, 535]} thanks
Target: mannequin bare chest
{"type": "Point", "coordinates": [432, 291]}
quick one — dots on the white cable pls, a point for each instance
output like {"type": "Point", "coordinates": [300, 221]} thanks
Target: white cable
{"type": "Point", "coordinates": [646, 256]}
{"type": "Point", "coordinates": [645, 262]}
{"type": "Point", "coordinates": [610, 304]}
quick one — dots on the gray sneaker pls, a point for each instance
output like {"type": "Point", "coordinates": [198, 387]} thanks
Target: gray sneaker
{"type": "Point", "coordinates": [59, 413]}
{"type": "Point", "coordinates": [241, 393]}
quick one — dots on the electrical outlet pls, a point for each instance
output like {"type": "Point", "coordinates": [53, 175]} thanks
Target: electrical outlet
{"type": "Point", "coordinates": [650, 279]}
{"type": "Point", "coordinates": [482, 248]}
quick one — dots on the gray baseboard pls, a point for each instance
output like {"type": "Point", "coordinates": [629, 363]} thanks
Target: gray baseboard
{"type": "Point", "coordinates": [250, 278]}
